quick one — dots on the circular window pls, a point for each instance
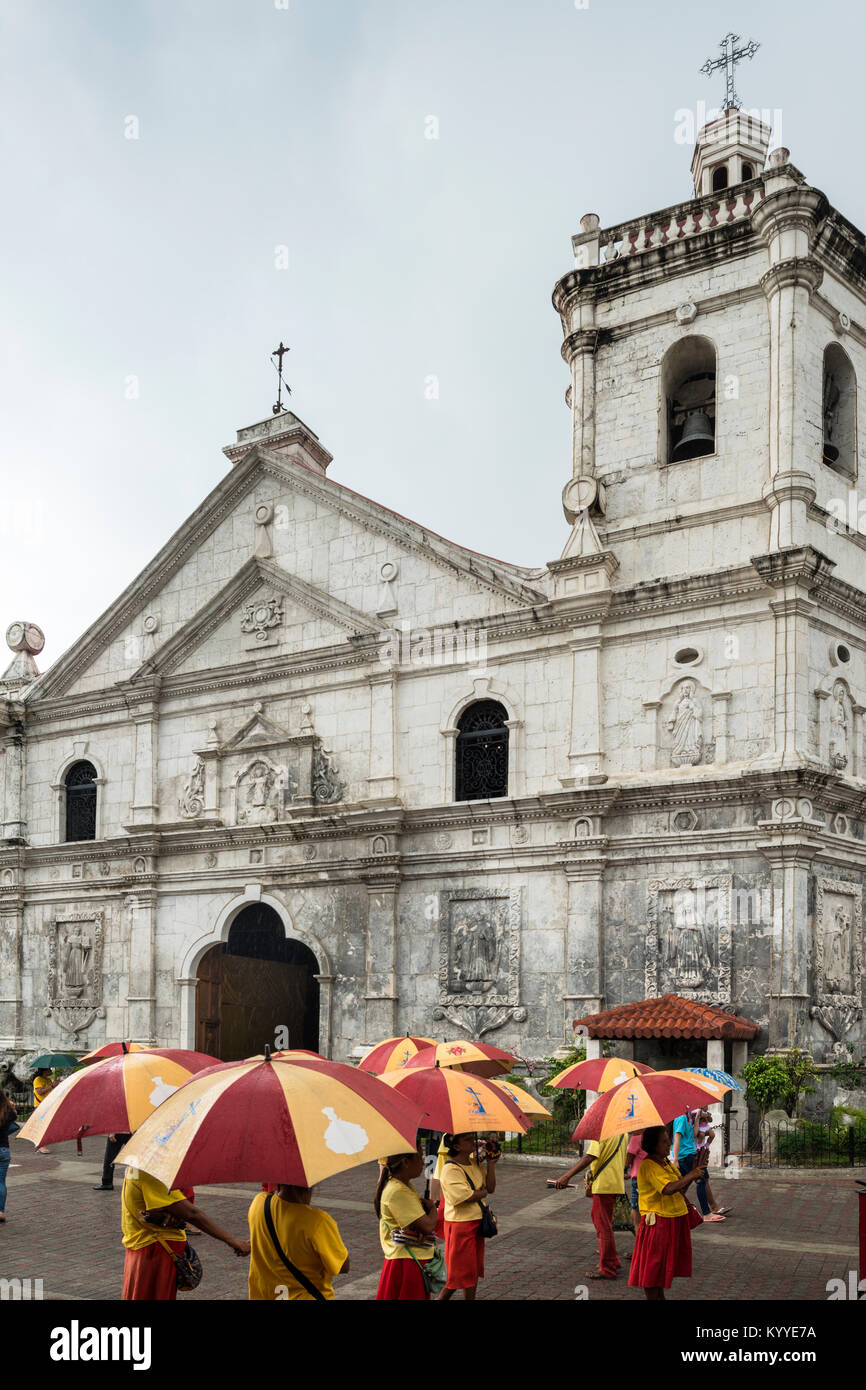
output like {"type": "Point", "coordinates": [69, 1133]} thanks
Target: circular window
{"type": "Point", "coordinates": [843, 653]}
{"type": "Point", "coordinates": [688, 656]}
{"type": "Point", "coordinates": [840, 655]}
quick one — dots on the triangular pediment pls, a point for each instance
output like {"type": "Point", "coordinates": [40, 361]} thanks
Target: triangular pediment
{"type": "Point", "coordinates": [258, 732]}
{"type": "Point", "coordinates": [249, 617]}
{"type": "Point", "coordinates": [147, 629]}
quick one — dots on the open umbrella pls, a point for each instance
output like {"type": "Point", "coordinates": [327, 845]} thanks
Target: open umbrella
{"type": "Point", "coordinates": [645, 1101]}
{"type": "Point", "coordinates": [481, 1059]}
{"type": "Point", "coordinates": [716, 1074]}
{"type": "Point", "coordinates": [113, 1096]}
{"type": "Point", "coordinates": [456, 1102]}
{"type": "Point", "coordinates": [296, 1121]}
{"type": "Point", "coordinates": [524, 1100]}
{"type": "Point", "coordinates": [392, 1054]}
{"type": "Point", "coordinates": [193, 1061]}
{"type": "Point", "coordinates": [54, 1059]}
{"type": "Point", "coordinates": [599, 1073]}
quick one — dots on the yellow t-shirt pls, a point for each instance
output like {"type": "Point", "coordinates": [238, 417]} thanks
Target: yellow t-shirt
{"type": "Point", "coordinates": [311, 1241]}
{"type": "Point", "coordinates": [42, 1085]}
{"type": "Point", "coordinates": [141, 1192]}
{"type": "Point", "coordinates": [652, 1176]}
{"type": "Point", "coordinates": [613, 1177]}
{"type": "Point", "coordinates": [400, 1207]}
{"type": "Point", "coordinates": [441, 1159]}
{"type": "Point", "coordinates": [456, 1188]}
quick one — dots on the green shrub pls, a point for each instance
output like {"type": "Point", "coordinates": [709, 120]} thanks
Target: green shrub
{"type": "Point", "coordinates": [779, 1080]}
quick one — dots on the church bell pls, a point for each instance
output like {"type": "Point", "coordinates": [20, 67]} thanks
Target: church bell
{"type": "Point", "coordinates": [697, 437]}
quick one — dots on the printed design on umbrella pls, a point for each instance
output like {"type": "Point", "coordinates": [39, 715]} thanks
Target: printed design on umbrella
{"type": "Point", "coordinates": [630, 1112]}
{"type": "Point", "coordinates": [406, 1055]}
{"type": "Point", "coordinates": [161, 1091]}
{"type": "Point", "coordinates": [477, 1106]}
{"type": "Point", "coordinates": [620, 1077]}
{"type": "Point", "coordinates": [181, 1120]}
{"type": "Point", "coordinates": [343, 1136]}
{"type": "Point", "coordinates": [455, 1051]}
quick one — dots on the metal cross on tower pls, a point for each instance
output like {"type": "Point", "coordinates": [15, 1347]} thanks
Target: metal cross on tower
{"type": "Point", "coordinates": [731, 55]}
{"type": "Point", "coordinates": [280, 353]}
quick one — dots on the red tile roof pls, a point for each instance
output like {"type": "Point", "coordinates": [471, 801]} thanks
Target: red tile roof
{"type": "Point", "coordinates": [668, 1017]}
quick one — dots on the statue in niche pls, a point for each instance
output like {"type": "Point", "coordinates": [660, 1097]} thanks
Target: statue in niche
{"type": "Point", "coordinates": [258, 794]}
{"type": "Point", "coordinates": [838, 729]}
{"type": "Point", "coordinates": [327, 786]}
{"type": "Point", "coordinates": [687, 725]}
{"type": "Point", "coordinates": [686, 948]}
{"type": "Point", "coordinates": [837, 951]}
{"type": "Point", "coordinates": [192, 797]}
{"type": "Point", "coordinates": [475, 945]}
{"type": "Point", "coordinates": [75, 960]}
{"type": "Point", "coordinates": [832, 395]}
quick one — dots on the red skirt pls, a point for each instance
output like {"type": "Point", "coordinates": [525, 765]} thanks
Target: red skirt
{"type": "Point", "coordinates": [401, 1280]}
{"type": "Point", "coordinates": [662, 1252]}
{"type": "Point", "coordinates": [464, 1254]}
{"type": "Point", "coordinates": [150, 1274]}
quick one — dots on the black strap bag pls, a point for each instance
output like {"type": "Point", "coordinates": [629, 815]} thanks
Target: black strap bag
{"type": "Point", "coordinates": [489, 1228]}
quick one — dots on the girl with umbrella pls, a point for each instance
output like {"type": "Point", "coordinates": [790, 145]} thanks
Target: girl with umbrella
{"type": "Point", "coordinates": [663, 1246]}
{"type": "Point", "coordinates": [405, 1220]}
{"type": "Point", "coordinates": [464, 1188]}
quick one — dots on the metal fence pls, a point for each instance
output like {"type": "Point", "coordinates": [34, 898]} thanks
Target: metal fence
{"type": "Point", "coordinates": [794, 1144]}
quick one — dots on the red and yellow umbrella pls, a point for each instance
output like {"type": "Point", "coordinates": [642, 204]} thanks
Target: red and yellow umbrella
{"type": "Point", "coordinates": [481, 1059]}
{"type": "Point", "coordinates": [599, 1074]}
{"type": "Point", "coordinates": [193, 1061]}
{"type": "Point", "coordinates": [293, 1121]}
{"type": "Point", "coordinates": [392, 1054]}
{"type": "Point", "coordinates": [113, 1096]}
{"type": "Point", "coordinates": [645, 1101]}
{"type": "Point", "coordinates": [524, 1100]}
{"type": "Point", "coordinates": [456, 1102]}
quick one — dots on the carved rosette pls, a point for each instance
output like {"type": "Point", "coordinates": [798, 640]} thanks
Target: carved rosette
{"type": "Point", "coordinates": [260, 617]}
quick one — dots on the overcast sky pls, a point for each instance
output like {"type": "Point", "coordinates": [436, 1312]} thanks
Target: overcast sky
{"type": "Point", "coordinates": [304, 124]}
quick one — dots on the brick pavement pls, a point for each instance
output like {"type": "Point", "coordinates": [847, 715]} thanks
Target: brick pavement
{"type": "Point", "coordinates": [789, 1236]}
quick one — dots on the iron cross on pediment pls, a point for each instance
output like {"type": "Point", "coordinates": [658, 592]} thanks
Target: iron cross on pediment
{"type": "Point", "coordinates": [731, 55]}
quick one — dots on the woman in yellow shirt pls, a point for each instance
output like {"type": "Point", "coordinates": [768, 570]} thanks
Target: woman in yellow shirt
{"type": "Point", "coordinates": [42, 1086]}
{"type": "Point", "coordinates": [401, 1213]}
{"type": "Point", "coordinates": [464, 1188]}
{"type": "Point", "coordinates": [663, 1246]}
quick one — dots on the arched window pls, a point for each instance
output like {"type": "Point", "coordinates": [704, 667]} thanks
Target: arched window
{"type": "Point", "coordinates": [748, 172]}
{"type": "Point", "coordinates": [482, 752]}
{"type": "Point", "coordinates": [688, 400]}
{"type": "Point", "coordinates": [80, 783]}
{"type": "Point", "coordinates": [840, 411]}
{"type": "Point", "coordinates": [720, 178]}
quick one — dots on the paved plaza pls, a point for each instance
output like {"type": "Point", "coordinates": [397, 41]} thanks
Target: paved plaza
{"type": "Point", "coordinates": [790, 1234]}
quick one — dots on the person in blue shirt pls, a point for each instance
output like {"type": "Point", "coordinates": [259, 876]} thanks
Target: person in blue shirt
{"type": "Point", "coordinates": [683, 1153]}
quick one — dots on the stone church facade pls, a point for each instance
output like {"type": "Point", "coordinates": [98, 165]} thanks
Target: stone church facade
{"type": "Point", "coordinates": [318, 768]}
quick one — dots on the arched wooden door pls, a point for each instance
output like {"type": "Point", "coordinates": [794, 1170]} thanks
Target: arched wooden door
{"type": "Point", "coordinates": [257, 988]}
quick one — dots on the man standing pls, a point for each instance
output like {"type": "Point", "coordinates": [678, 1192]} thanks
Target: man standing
{"type": "Point", "coordinates": [607, 1157]}
{"type": "Point", "coordinates": [113, 1144]}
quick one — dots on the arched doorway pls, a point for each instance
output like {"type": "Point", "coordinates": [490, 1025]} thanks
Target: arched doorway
{"type": "Point", "coordinates": [255, 988]}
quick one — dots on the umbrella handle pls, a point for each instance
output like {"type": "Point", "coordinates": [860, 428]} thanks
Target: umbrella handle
{"type": "Point", "coordinates": [81, 1130]}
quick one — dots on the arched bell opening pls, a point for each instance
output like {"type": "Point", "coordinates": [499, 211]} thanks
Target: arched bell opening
{"type": "Point", "coordinates": [840, 411]}
{"type": "Point", "coordinates": [688, 400]}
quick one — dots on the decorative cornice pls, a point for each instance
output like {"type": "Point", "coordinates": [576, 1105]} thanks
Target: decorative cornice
{"type": "Point", "coordinates": [801, 272]}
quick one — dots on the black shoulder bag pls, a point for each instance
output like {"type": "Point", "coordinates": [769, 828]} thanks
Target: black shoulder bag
{"type": "Point", "coordinates": [295, 1273]}
{"type": "Point", "coordinates": [489, 1227]}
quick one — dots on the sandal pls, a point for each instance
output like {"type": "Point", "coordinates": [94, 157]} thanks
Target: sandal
{"type": "Point", "coordinates": [723, 1211]}
{"type": "Point", "coordinates": [597, 1274]}
{"type": "Point", "coordinates": [713, 1216]}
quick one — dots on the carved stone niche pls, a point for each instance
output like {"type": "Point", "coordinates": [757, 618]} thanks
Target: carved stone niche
{"type": "Point", "coordinates": [688, 938]}
{"type": "Point", "coordinates": [262, 774]}
{"type": "Point", "coordinates": [839, 727]}
{"type": "Point", "coordinates": [688, 724]}
{"type": "Point", "coordinates": [479, 948]}
{"type": "Point", "coordinates": [838, 943]}
{"type": "Point", "coordinates": [75, 944]}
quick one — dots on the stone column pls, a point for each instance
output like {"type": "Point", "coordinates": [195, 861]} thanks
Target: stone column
{"type": "Point", "coordinates": [790, 952]}
{"type": "Point", "coordinates": [140, 909]}
{"type": "Point", "coordinates": [187, 985]}
{"type": "Point", "coordinates": [326, 995]}
{"type": "Point", "coordinates": [382, 782]}
{"type": "Point", "coordinates": [716, 1061]}
{"type": "Point", "coordinates": [380, 993]}
{"type": "Point", "coordinates": [585, 753]}
{"type": "Point", "coordinates": [144, 809]}
{"type": "Point", "coordinates": [15, 824]}
{"type": "Point", "coordinates": [11, 946]}
{"type": "Point", "coordinates": [594, 1050]}
{"type": "Point", "coordinates": [584, 935]}
{"type": "Point", "coordinates": [739, 1111]}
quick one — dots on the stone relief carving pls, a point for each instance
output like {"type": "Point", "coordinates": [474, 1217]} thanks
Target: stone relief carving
{"type": "Point", "coordinates": [327, 786]}
{"type": "Point", "coordinates": [260, 617]}
{"type": "Point", "coordinates": [75, 970]}
{"type": "Point", "coordinates": [838, 729]}
{"type": "Point", "coordinates": [688, 938]}
{"type": "Point", "coordinates": [478, 1021]}
{"type": "Point", "coordinates": [686, 722]}
{"type": "Point", "coordinates": [192, 797]}
{"type": "Point", "coordinates": [838, 950]}
{"type": "Point", "coordinates": [479, 947]}
{"type": "Point", "coordinates": [259, 789]}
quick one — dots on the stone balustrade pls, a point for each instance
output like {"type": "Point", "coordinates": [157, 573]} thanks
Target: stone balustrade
{"type": "Point", "coordinates": [676, 223]}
